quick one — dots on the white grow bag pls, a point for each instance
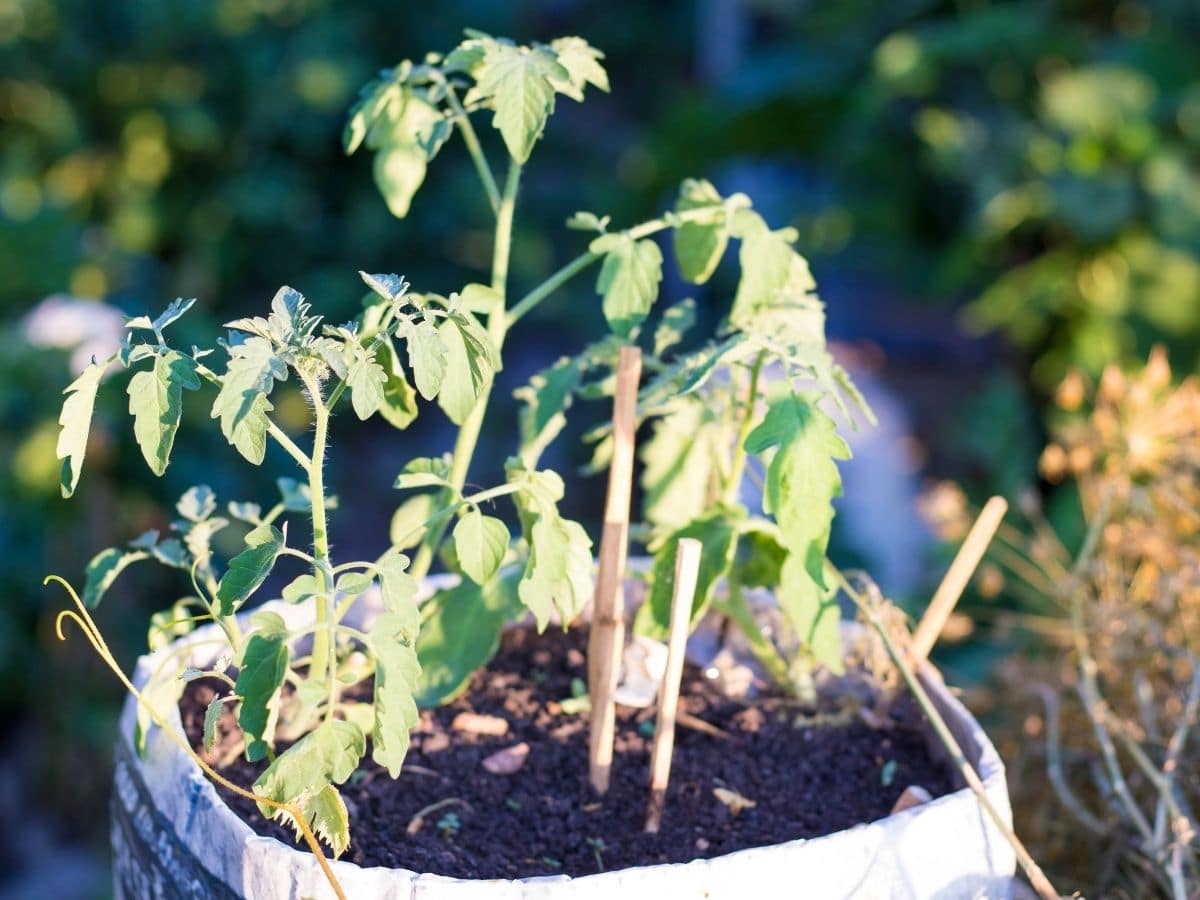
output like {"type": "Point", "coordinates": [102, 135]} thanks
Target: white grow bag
{"type": "Point", "coordinates": [174, 838]}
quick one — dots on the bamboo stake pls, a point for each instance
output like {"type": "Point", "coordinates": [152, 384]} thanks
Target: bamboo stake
{"type": "Point", "coordinates": [955, 581]}
{"type": "Point", "coordinates": [607, 635]}
{"type": "Point", "coordinates": [687, 568]}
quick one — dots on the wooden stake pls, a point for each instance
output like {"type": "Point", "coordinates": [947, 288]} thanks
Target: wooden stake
{"type": "Point", "coordinates": [687, 567]}
{"type": "Point", "coordinates": [606, 638]}
{"type": "Point", "coordinates": [955, 580]}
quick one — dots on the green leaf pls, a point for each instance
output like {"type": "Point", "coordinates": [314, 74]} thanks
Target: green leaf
{"type": "Point", "coordinates": [546, 398]}
{"type": "Point", "coordinates": [463, 635]}
{"type": "Point", "coordinates": [397, 673]}
{"type": "Point", "coordinates": [367, 381]}
{"type": "Point", "coordinates": [677, 320]}
{"type": "Point", "coordinates": [249, 569]}
{"type": "Point", "coordinates": [197, 503]}
{"type": "Point", "coordinates": [717, 532]}
{"type": "Point", "coordinates": [424, 471]}
{"type": "Point", "coordinates": [558, 575]}
{"type": "Point", "coordinates": [212, 718]}
{"type": "Point", "coordinates": [353, 583]}
{"type": "Point", "coordinates": [364, 112]}
{"type": "Point", "coordinates": [699, 245]}
{"type": "Point", "coordinates": [774, 276]}
{"type": "Point", "coordinates": [465, 378]}
{"type": "Point", "coordinates": [628, 280]}
{"type": "Point", "coordinates": [242, 403]}
{"type": "Point", "coordinates": [582, 63]}
{"type": "Point", "coordinates": [329, 819]}
{"type": "Point", "coordinates": [681, 460]}
{"type": "Point", "coordinates": [802, 481]}
{"type": "Point", "coordinates": [168, 624]}
{"type": "Point", "coordinates": [426, 358]}
{"type": "Point", "coordinates": [480, 543]}
{"type": "Point", "coordinates": [103, 570]}
{"type": "Point", "coordinates": [262, 668]}
{"type": "Point", "coordinates": [520, 83]}
{"type": "Point", "coordinates": [813, 611]}
{"type": "Point", "coordinates": [802, 477]}
{"type": "Point", "coordinates": [389, 286]}
{"type": "Point", "coordinates": [399, 406]}
{"type": "Point", "coordinates": [75, 422]}
{"type": "Point", "coordinates": [398, 590]}
{"type": "Point", "coordinates": [408, 521]}
{"type": "Point", "coordinates": [156, 403]}
{"type": "Point", "coordinates": [481, 298]}
{"type": "Point", "coordinates": [301, 588]}
{"type": "Point", "coordinates": [760, 556]}
{"type": "Point", "coordinates": [399, 172]}
{"type": "Point", "coordinates": [327, 755]}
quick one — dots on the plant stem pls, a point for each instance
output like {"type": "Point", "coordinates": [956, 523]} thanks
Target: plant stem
{"type": "Point", "coordinates": [468, 434]}
{"type": "Point", "coordinates": [733, 483]}
{"type": "Point", "coordinates": [737, 608]}
{"type": "Point", "coordinates": [477, 157]}
{"type": "Point", "coordinates": [583, 260]}
{"type": "Point", "coordinates": [323, 657]}
{"type": "Point", "coordinates": [1037, 878]}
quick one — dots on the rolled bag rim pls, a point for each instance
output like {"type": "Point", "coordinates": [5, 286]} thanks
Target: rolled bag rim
{"type": "Point", "coordinates": [198, 847]}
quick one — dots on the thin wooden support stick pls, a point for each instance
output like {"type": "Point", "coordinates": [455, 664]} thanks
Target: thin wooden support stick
{"type": "Point", "coordinates": [687, 568]}
{"type": "Point", "coordinates": [607, 635]}
{"type": "Point", "coordinates": [955, 582]}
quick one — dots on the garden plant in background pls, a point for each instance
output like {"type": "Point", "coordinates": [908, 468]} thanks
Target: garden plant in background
{"type": "Point", "coordinates": [310, 691]}
{"type": "Point", "coordinates": [1121, 692]}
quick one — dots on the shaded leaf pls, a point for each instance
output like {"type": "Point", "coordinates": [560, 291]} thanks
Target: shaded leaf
{"type": "Point", "coordinates": [699, 245]}
{"type": "Point", "coordinates": [463, 635]}
{"type": "Point", "coordinates": [262, 668]}
{"type": "Point", "coordinates": [717, 532]}
{"type": "Point", "coordinates": [249, 569]}
{"type": "Point", "coordinates": [480, 543]}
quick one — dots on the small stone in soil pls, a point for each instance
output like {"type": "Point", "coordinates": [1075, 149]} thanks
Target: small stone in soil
{"type": "Point", "coordinates": [508, 760]}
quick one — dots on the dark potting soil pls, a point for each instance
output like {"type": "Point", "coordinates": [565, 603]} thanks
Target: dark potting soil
{"type": "Point", "coordinates": [804, 780]}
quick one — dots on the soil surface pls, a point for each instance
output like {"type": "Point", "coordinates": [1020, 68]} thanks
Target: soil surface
{"type": "Point", "coordinates": [805, 780]}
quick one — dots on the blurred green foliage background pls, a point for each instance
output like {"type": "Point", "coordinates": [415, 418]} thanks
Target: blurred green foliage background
{"type": "Point", "coordinates": [989, 193]}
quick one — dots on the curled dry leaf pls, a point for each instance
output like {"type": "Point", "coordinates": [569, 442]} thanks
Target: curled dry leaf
{"type": "Point", "coordinates": [476, 723]}
{"type": "Point", "coordinates": [508, 760]}
{"type": "Point", "coordinates": [735, 801]}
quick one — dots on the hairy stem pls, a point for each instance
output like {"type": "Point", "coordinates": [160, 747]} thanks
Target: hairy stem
{"type": "Point", "coordinates": [468, 435]}
{"type": "Point", "coordinates": [323, 658]}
